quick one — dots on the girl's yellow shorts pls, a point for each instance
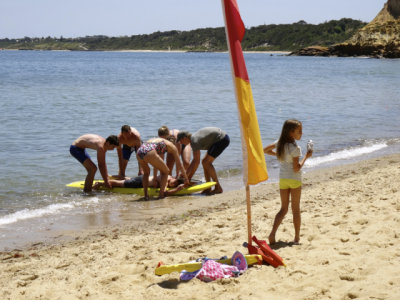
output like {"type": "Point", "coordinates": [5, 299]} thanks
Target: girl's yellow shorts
{"type": "Point", "coordinates": [285, 184]}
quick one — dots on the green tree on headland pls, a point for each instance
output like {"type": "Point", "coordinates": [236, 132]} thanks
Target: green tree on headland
{"type": "Point", "coordinates": [283, 37]}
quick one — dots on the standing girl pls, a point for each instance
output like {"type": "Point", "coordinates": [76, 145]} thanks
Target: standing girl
{"type": "Point", "coordinates": [288, 154]}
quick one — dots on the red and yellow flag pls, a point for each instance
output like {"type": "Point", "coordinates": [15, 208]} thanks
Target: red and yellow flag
{"type": "Point", "coordinates": [254, 166]}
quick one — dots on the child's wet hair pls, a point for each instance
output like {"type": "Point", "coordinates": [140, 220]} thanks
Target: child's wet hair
{"type": "Point", "coordinates": [113, 140]}
{"type": "Point", "coordinates": [163, 131]}
{"type": "Point", "coordinates": [171, 138]}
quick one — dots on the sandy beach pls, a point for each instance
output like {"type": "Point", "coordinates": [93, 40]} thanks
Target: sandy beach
{"type": "Point", "coordinates": [350, 246]}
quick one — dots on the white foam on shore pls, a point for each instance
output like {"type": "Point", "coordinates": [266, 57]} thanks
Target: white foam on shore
{"type": "Point", "coordinates": [344, 154]}
{"type": "Point", "coordinates": [45, 211]}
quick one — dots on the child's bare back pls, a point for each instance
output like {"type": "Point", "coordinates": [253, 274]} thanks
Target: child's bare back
{"type": "Point", "coordinates": [91, 141]}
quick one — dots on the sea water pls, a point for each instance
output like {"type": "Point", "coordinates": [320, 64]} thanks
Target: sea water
{"type": "Point", "coordinates": [350, 108]}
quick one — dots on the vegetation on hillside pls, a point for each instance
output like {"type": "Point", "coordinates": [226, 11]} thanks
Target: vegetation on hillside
{"type": "Point", "coordinates": [284, 37]}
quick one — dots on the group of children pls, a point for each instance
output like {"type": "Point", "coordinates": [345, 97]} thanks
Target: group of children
{"type": "Point", "coordinates": [180, 146]}
{"type": "Point", "coordinates": [177, 145]}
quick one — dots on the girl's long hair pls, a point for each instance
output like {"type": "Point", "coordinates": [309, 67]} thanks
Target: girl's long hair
{"type": "Point", "coordinates": [285, 137]}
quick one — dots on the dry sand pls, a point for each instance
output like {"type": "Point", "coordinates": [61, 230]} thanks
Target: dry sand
{"type": "Point", "coordinates": [350, 246]}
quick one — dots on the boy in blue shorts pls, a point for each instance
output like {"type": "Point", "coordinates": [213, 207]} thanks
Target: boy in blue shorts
{"type": "Point", "coordinates": [101, 145]}
{"type": "Point", "coordinates": [130, 141]}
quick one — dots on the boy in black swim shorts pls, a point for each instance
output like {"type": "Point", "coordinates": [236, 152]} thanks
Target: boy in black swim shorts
{"type": "Point", "coordinates": [212, 139]}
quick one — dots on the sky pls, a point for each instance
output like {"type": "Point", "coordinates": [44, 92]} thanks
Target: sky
{"type": "Point", "coordinates": [79, 18]}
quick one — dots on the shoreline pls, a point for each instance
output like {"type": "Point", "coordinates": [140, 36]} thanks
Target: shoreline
{"type": "Point", "coordinates": [149, 51]}
{"type": "Point", "coordinates": [349, 215]}
{"type": "Point", "coordinates": [119, 210]}
{"type": "Point", "coordinates": [66, 226]}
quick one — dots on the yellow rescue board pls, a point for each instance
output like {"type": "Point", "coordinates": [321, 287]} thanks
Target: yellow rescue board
{"type": "Point", "coordinates": [251, 259]}
{"type": "Point", "coordinates": [151, 191]}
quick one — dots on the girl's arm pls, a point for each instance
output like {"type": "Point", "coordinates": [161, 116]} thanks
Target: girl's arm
{"type": "Point", "coordinates": [298, 165]}
{"type": "Point", "coordinates": [171, 148]}
{"type": "Point", "coordinates": [269, 149]}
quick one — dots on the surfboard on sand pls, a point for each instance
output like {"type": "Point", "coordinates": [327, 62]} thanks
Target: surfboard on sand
{"type": "Point", "coordinates": [151, 191]}
{"type": "Point", "coordinates": [162, 269]}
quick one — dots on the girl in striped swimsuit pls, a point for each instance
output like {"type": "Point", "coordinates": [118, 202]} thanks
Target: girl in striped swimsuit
{"type": "Point", "coordinates": [152, 152]}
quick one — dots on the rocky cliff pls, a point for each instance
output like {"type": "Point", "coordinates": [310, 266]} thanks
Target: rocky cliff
{"type": "Point", "coordinates": [379, 38]}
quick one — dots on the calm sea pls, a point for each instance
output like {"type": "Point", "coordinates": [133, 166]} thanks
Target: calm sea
{"type": "Point", "coordinates": [350, 108]}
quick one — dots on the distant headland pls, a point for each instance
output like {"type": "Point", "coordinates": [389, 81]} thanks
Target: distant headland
{"type": "Point", "coordinates": [379, 38]}
{"type": "Point", "coordinates": [345, 37]}
{"type": "Point", "coordinates": [273, 37]}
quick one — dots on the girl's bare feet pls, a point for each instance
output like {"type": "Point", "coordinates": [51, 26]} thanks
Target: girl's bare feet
{"type": "Point", "coordinates": [271, 239]}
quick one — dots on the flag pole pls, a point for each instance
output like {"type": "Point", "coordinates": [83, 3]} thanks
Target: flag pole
{"type": "Point", "coordinates": [252, 150]}
{"type": "Point", "coordinates": [244, 152]}
{"type": "Point", "coordinates": [249, 235]}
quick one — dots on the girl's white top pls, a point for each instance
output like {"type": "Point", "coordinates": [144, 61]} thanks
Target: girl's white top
{"type": "Point", "coordinates": [291, 150]}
